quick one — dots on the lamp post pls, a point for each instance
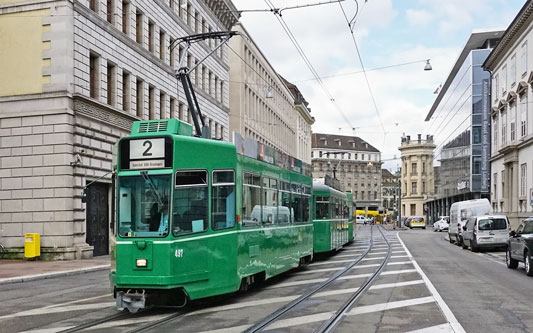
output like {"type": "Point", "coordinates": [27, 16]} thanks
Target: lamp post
{"type": "Point", "coordinates": [400, 202]}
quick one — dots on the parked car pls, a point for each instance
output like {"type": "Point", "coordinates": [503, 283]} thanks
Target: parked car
{"type": "Point", "coordinates": [360, 219]}
{"type": "Point", "coordinates": [417, 222]}
{"type": "Point", "coordinates": [460, 212]}
{"type": "Point", "coordinates": [486, 231]}
{"type": "Point", "coordinates": [520, 246]}
{"type": "Point", "coordinates": [442, 224]}
{"type": "Point", "coordinates": [407, 222]}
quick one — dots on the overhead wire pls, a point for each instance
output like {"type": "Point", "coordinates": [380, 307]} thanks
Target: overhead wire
{"type": "Point", "coordinates": [308, 62]}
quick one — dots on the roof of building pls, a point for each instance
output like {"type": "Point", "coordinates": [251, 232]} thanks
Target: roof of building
{"type": "Point", "coordinates": [385, 173]}
{"type": "Point", "coordinates": [475, 41]}
{"type": "Point", "coordinates": [510, 35]}
{"type": "Point", "coordinates": [346, 142]}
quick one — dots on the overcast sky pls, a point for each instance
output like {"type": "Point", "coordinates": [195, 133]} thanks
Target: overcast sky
{"type": "Point", "coordinates": [387, 33]}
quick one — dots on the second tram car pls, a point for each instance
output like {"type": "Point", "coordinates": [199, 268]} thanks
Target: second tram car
{"type": "Point", "coordinates": [332, 220]}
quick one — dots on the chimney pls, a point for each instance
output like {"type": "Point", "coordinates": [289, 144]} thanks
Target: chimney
{"type": "Point", "coordinates": [419, 138]}
{"type": "Point", "coordinates": [408, 138]}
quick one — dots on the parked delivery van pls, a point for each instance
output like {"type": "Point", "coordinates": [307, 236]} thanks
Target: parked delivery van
{"type": "Point", "coordinates": [461, 211]}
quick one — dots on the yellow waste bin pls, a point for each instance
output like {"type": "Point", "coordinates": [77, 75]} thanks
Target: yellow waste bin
{"type": "Point", "coordinates": [32, 245]}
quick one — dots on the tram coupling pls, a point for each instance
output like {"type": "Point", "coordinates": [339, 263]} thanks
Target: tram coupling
{"type": "Point", "coordinates": [133, 301]}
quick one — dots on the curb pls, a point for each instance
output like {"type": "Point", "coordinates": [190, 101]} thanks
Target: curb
{"type": "Point", "coordinates": [26, 278]}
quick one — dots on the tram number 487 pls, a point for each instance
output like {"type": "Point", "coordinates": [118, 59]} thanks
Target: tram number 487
{"type": "Point", "coordinates": [179, 253]}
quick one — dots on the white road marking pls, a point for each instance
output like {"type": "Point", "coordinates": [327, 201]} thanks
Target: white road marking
{"type": "Point", "coordinates": [311, 271]}
{"type": "Point", "coordinates": [320, 317]}
{"type": "Point", "coordinates": [49, 330]}
{"type": "Point", "coordinates": [41, 311]}
{"type": "Point", "coordinates": [443, 328]}
{"type": "Point", "coordinates": [457, 327]}
{"type": "Point", "coordinates": [346, 277]}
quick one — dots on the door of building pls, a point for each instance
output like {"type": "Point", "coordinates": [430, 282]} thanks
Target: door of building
{"type": "Point", "coordinates": [97, 213]}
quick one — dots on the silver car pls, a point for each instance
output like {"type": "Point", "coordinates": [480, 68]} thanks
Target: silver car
{"type": "Point", "coordinates": [486, 231]}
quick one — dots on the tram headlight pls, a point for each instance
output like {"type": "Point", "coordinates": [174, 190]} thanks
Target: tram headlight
{"type": "Point", "coordinates": [141, 263]}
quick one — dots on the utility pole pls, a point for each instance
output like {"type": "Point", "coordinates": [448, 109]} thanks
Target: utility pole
{"type": "Point", "coordinates": [400, 202]}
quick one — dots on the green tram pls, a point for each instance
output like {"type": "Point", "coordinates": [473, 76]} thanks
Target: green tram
{"type": "Point", "coordinates": [332, 221]}
{"type": "Point", "coordinates": [196, 219]}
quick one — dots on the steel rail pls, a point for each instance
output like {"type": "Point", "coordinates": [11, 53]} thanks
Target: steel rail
{"type": "Point", "coordinates": [260, 325]}
{"type": "Point", "coordinates": [332, 323]}
{"type": "Point", "coordinates": [158, 323]}
{"type": "Point", "coordinates": [96, 322]}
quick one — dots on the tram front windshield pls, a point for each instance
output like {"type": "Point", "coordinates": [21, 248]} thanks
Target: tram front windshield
{"type": "Point", "coordinates": [143, 205]}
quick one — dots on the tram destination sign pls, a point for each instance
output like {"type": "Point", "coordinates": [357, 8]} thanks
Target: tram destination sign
{"type": "Point", "coordinates": [146, 153]}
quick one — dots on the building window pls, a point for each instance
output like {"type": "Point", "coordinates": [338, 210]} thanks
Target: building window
{"type": "Point", "coordinates": [423, 167]}
{"type": "Point", "coordinates": [94, 75]}
{"type": "Point", "coordinates": [172, 108]}
{"type": "Point", "coordinates": [495, 130]}
{"type": "Point", "coordinates": [126, 91]}
{"type": "Point", "coordinates": [111, 85]}
{"type": "Point", "coordinates": [189, 14]}
{"type": "Point", "coordinates": [523, 59]}
{"type": "Point", "coordinates": [375, 195]}
{"type": "Point", "coordinates": [362, 195]}
{"type": "Point", "coordinates": [110, 11]}
{"type": "Point", "coordinates": [413, 168]}
{"type": "Point", "coordinates": [172, 60]}
{"type": "Point", "coordinates": [423, 187]}
{"type": "Point", "coordinates": [497, 85]}
{"type": "Point", "coordinates": [504, 128]}
{"type": "Point", "coordinates": [414, 187]}
{"type": "Point", "coordinates": [523, 179]}
{"type": "Point", "coordinates": [181, 110]}
{"type": "Point", "coordinates": [512, 112]}
{"type": "Point", "coordinates": [504, 79]}
{"type": "Point", "coordinates": [125, 17]}
{"type": "Point", "coordinates": [93, 5]}
{"type": "Point", "coordinates": [513, 70]}
{"type": "Point", "coordinates": [162, 105]}
{"type": "Point", "coordinates": [413, 209]}
{"type": "Point", "coordinates": [503, 184]}
{"type": "Point", "coordinates": [151, 28]}
{"type": "Point", "coordinates": [151, 102]}
{"type": "Point", "coordinates": [139, 89]}
{"type": "Point", "coordinates": [139, 27]}
{"type": "Point", "coordinates": [209, 78]}
{"type": "Point", "coordinates": [162, 48]}
{"type": "Point", "coordinates": [476, 165]}
{"type": "Point", "coordinates": [523, 115]}
{"type": "Point", "coordinates": [495, 181]}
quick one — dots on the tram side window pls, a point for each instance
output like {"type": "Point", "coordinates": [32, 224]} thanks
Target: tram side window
{"type": "Point", "coordinates": [284, 204]}
{"type": "Point", "coordinates": [322, 207]}
{"type": "Point", "coordinates": [190, 213]}
{"type": "Point", "coordinates": [251, 200]}
{"type": "Point", "coordinates": [270, 207]}
{"type": "Point", "coordinates": [299, 203]}
{"type": "Point", "coordinates": [223, 199]}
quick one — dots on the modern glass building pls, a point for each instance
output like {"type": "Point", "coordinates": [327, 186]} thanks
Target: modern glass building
{"type": "Point", "coordinates": [459, 120]}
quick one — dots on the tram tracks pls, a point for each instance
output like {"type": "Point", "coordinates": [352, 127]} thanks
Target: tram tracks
{"type": "Point", "coordinates": [333, 321]}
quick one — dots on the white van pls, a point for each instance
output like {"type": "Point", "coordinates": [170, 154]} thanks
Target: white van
{"type": "Point", "coordinates": [486, 231]}
{"type": "Point", "coordinates": [461, 211]}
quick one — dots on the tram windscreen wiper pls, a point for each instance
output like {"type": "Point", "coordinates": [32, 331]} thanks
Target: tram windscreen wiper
{"type": "Point", "coordinates": [150, 182]}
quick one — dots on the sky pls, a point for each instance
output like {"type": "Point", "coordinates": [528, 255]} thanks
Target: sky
{"type": "Point", "coordinates": [387, 33]}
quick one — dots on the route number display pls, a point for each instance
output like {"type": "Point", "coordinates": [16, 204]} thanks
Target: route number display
{"type": "Point", "coordinates": [147, 153]}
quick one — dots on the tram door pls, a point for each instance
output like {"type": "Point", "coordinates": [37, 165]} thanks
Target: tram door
{"type": "Point", "coordinates": [97, 213]}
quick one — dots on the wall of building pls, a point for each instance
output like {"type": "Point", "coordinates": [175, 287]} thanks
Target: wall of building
{"type": "Point", "coordinates": [59, 122]}
{"type": "Point", "coordinates": [262, 107]}
{"type": "Point", "coordinates": [512, 128]}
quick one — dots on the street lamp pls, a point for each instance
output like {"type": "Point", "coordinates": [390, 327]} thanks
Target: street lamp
{"type": "Point", "coordinates": [428, 66]}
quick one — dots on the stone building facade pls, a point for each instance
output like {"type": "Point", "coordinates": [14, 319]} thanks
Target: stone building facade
{"type": "Point", "coordinates": [76, 74]}
{"type": "Point", "coordinates": [262, 107]}
{"type": "Point", "coordinates": [511, 162]}
{"type": "Point", "coordinates": [390, 190]}
{"type": "Point", "coordinates": [416, 175]}
{"type": "Point", "coordinates": [354, 162]}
